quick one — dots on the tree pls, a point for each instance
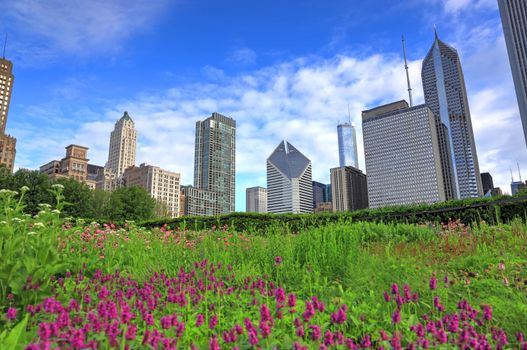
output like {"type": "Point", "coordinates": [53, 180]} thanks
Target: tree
{"type": "Point", "coordinates": [39, 186]}
{"type": "Point", "coordinates": [99, 203]}
{"type": "Point", "coordinates": [130, 203]}
{"type": "Point", "coordinates": [78, 198]}
{"type": "Point", "coordinates": [161, 209]}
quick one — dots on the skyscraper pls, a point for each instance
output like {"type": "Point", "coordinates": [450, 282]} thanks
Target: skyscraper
{"type": "Point", "coordinates": [446, 95]}
{"type": "Point", "coordinates": [289, 188]}
{"type": "Point", "coordinates": [123, 144]}
{"type": "Point", "coordinates": [347, 145]}
{"type": "Point", "coordinates": [486, 181]}
{"type": "Point", "coordinates": [402, 155]}
{"type": "Point", "coordinates": [319, 193]}
{"type": "Point", "coordinates": [215, 159]}
{"type": "Point", "coordinates": [7, 142]}
{"type": "Point", "coordinates": [514, 21]}
{"type": "Point", "coordinates": [350, 189]}
{"type": "Point", "coordinates": [256, 200]}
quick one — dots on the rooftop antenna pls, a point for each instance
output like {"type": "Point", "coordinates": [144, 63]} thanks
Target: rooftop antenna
{"type": "Point", "coordinates": [435, 32]}
{"type": "Point", "coordinates": [519, 173]}
{"type": "Point", "coordinates": [349, 114]}
{"type": "Point", "coordinates": [5, 44]}
{"type": "Point", "coordinates": [512, 176]}
{"type": "Point", "coordinates": [407, 74]}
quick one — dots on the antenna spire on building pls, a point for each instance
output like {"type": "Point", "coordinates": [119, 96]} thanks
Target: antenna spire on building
{"type": "Point", "coordinates": [435, 32]}
{"type": "Point", "coordinates": [519, 172]}
{"type": "Point", "coordinates": [349, 114]}
{"type": "Point", "coordinates": [512, 176]}
{"type": "Point", "coordinates": [407, 75]}
{"type": "Point", "coordinates": [5, 44]}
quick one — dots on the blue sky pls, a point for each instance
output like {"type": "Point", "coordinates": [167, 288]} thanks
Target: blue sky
{"type": "Point", "coordinates": [282, 69]}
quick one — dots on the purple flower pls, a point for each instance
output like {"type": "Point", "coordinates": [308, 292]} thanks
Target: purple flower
{"type": "Point", "coordinates": [433, 283]}
{"type": "Point", "coordinates": [396, 317]}
{"type": "Point", "coordinates": [278, 260]}
{"type": "Point", "coordinates": [395, 289]}
{"type": "Point", "coordinates": [11, 313]}
{"type": "Point", "coordinates": [387, 296]}
{"type": "Point", "coordinates": [315, 332]}
{"type": "Point", "coordinates": [487, 312]}
{"type": "Point", "coordinates": [291, 300]}
{"type": "Point", "coordinates": [199, 320]}
{"type": "Point", "coordinates": [213, 322]}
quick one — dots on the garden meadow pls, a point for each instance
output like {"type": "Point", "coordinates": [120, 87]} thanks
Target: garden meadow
{"type": "Point", "coordinates": [74, 284]}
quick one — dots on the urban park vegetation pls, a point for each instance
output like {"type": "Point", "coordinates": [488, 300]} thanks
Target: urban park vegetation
{"type": "Point", "coordinates": [342, 285]}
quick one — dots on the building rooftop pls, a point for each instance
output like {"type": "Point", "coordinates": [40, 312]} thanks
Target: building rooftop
{"type": "Point", "coordinates": [289, 160]}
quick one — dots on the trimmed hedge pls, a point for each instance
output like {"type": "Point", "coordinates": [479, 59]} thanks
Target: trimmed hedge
{"type": "Point", "coordinates": [468, 211]}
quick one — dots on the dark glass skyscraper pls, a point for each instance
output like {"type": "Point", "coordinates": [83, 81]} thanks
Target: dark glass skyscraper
{"type": "Point", "coordinates": [446, 95]}
{"type": "Point", "coordinates": [215, 159]}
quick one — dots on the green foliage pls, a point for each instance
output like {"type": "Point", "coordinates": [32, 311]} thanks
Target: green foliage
{"type": "Point", "coordinates": [130, 203]}
{"type": "Point", "coordinates": [78, 198]}
{"type": "Point", "coordinates": [468, 211]}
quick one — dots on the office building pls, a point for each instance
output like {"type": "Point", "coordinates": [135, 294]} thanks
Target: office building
{"type": "Point", "coordinates": [486, 182]}
{"type": "Point", "coordinates": [7, 142]}
{"type": "Point", "coordinates": [517, 186]}
{"type": "Point", "coordinates": [514, 21]}
{"type": "Point", "coordinates": [256, 200]}
{"type": "Point", "coordinates": [350, 189]}
{"type": "Point", "coordinates": [402, 155]}
{"type": "Point", "coordinates": [200, 202]}
{"type": "Point", "coordinates": [347, 139]}
{"type": "Point", "coordinates": [107, 180]}
{"type": "Point", "coordinates": [162, 185]}
{"type": "Point", "coordinates": [319, 193]}
{"type": "Point", "coordinates": [446, 95]}
{"type": "Point", "coordinates": [73, 166]}
{"type": "Point", "coordinates": [215, 160]}
{"type": "Point", "coordinates": [123, 144]}
{"type": "Point", "coordinates": [289, 187]}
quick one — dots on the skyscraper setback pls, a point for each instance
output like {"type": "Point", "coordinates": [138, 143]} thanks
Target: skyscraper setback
{"type": "Point", "coordinates": [446, 95]}
{"type": "Point", "coordinates": [514, 21]}
{"type": "Point", "coordinates": [123, 144]}
{"type": "Point", "coordinates": [215, 159]}
{"type": "Point", "coordinates": [7, 142]}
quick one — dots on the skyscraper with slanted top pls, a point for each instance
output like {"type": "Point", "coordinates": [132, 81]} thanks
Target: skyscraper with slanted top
{"type": "Point", "coordinates": [7, 142]}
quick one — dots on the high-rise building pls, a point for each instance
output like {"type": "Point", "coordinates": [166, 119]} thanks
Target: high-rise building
{"type": "Point", "coordinates": [123, 144]}
{"type": "Point", "coordinates": [347, 138]}
{"type": "Point", "coordinates": [200, 202]}
{"type": "Point", "coordinates": [517, 186]}
{"type": "Point", "coordinates": [256, 200]}
{"type": "Point", "coordinates": [402, 155]}
{"type": "Point", "coordinates": [162, 185]}
{"type": "Point", "coordinates": [350, 189]}
{"type": "Point", "coordinates": [446, 95]}
{"type": "Point", "coordinates": [7, 142]}
{"type": "Point", "coordinates": [514, 21]}
{"type": "Point", "coordinates": [319, 193]}
{"type": "Point", "coordinates": [289, 188]}
{"type": "Point", "coordinates": [215, 159]}
{"type": "Point", "coordinates": [486, 182]}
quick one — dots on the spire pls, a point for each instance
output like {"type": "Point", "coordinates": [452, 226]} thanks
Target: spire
{"type": "Point", "coordinates": [519, 172]}
{"type": "Point", "coordinates": [407, 74]}
{"type": "Point", "coordinates": [435, 32]}
{"type": "Point", "coordinates": [349, 114]}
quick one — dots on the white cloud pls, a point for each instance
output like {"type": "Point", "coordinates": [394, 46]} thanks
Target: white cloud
{"type": "Point", "coordinates": [79, 27]}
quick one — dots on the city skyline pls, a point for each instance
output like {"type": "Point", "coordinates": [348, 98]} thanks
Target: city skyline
{"type": "Point", "coordinates": [272, 95]}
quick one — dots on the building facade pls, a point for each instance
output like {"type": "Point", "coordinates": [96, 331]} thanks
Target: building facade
{"type": "Point", "coordinates": [162, 185]}
{"type": "Point", "coordinates": [514, 21]}
{"type": "Point", "coordinates": [123, 145]}
{"type": "Point", "coordinates": [200, 202]}
{"type": "Point", "coordinates": [215, 159]}
{"type": "Point", "coordinates": [350, 189]}
{"type": "Point", "coordinates": [402, 155]}
{"type": "Point", "coordinates": [7, 142]}
{"type": "Point", "coordinates": [486, 182]}
{"type": "Point", "coordinates": [347, 138]}
{"type": "Point", "coordinates": [289, 181]}
{"type": "Point", "coordinates": [256, 200]}
{"type": "Point", "coordinates": [319, 193]}
{"type": "Point", "coordinates": [73, 166]}
{"type": "Point", "coordinates": [446, 95]}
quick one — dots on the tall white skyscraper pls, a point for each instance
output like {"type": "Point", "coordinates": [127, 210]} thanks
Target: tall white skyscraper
{"type": "Point", "coordinates": [514, 21]}
{"type": "Point", "coordinates": [123, 144]}
{"type": "Point", "coordinates": [446, 95]}
{"type": "Point", "coordinates": [402, 155]}
{"type": "Point", "coordinates": [289, 181]}
{"type": "Point", "coordinates": [347, 138]}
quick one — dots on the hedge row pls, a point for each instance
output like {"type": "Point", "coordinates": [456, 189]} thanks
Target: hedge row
{"type": "Point", "coordinates": [490, 210]}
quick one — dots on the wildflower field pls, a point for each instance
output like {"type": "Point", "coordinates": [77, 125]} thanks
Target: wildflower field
{"type": "Point", "coordinates": [341, 286]}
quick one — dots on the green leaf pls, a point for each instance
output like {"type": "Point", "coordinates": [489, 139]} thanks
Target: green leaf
{"type": "Point", "coordinates": [15, 336]}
